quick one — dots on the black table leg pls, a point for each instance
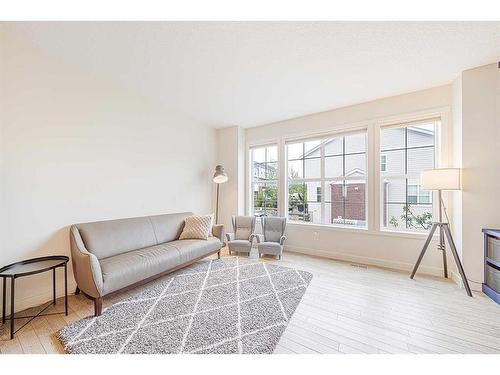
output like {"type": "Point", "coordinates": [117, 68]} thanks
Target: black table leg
{"type": "Point", "coordinates": [65, 289]}
{"type": "Point", "coordinates": [4, 290]}
{"type": "Point", "coordinates": [54, 286]}
{"type": "Point", "coordinates": [12, 287]}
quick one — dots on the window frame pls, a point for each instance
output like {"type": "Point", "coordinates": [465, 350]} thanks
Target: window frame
{"type": "Point", "coordinates": [323, 180]}
{"type": "Point", "coordinates": [372, 126]}
{"type": "Point", "coordinates": [439, 147]}
{"type": "Point", "coordinates": [251, 182]}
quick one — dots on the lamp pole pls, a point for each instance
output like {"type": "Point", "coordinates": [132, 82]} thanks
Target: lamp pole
{"type": "Point", "coordinates": [217, 206]}
{"type": "Point", "coordinates": [442, 245]}
{"type": "Point", "coordinates": [220, 177]}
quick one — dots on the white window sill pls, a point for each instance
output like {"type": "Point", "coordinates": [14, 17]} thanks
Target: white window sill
{"type": "Point", "coordinates": [414, 235]}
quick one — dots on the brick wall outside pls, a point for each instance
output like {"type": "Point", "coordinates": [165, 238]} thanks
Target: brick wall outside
{"type": "Point", "coordinates": [355, 207]}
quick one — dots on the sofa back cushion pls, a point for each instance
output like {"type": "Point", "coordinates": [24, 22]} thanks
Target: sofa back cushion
{"type": "Point", "coordinates": [169, 227]}
{"type": "Point", "coordinates": [112, 237]}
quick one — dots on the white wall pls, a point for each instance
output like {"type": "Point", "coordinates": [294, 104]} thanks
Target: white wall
{"type": "Point", "coordinates": [76, 148]}
{"type": "Point", "coordinates": [231, 155]}
{"type": "Point", "coordinates": [394, 250]}
{"type": "Point", "coordinates": [480, 162]}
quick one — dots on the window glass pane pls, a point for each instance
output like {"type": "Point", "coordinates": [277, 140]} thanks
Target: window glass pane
{"type": "Point", "coordinates": [395, 163]}
{"type": "Point", "coordinates": [272, 154]}
{"type": "Point", "coordinates": [391, 138]}
{"type": "Point", "coordinates": [355, 143]}
{"type": "Point", "coordinates": [312, 148]}
{"type": "Point", "coordinates": [393, 217]}
{"type": "Point", "coordinates": [312, 168]}
{"type": "Point", "coordinates": [393, 190]}
{"type": "Point", "coordinates": [412, 194]}
{"type": "Point", "coordinates": [333, 166]}
{"type": "Point", "coordinates": [259, 154]}
{"type": "Point", "coordinates": [295, 151]}
{"type": "Point", "coordinates": [421, 135]}
{"type": "Point", "coordinates": [265, 199]}
{"type": "Point", "coordinates": [259, 172]}
{"type": "Point", "coordinates": [271, 171]}
{"type": "Point", "coordinates": [313, 213]}
{"type": "Point", "coordinates": [334, 191]}
{"type": "Point", "coordinates": [410, 217]}
{"type": "Point", "coordinates": [355, 165]}
{"type": "Point", "coordinates": [302, 201]}
{"type": "Point", "coordinates": [345, 203]}
{"type": "Point", "coordinates": [295, 169]}
{"type": "Point", "coordinates": [333, 146]}
{"type": "Point", "coordinates": [264, 180]}
{"type": "Point", "coordinates": [420, 159]}
{"type": "Point", "coordinates": [419, 217]}
{"type": "Point", "coordinates": [355, 192]}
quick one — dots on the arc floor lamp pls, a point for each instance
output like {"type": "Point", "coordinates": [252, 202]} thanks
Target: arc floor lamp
{"type": "Point", "coordinates": [439, 180]}
{"type": "Point", "coordinates": [220, 177]}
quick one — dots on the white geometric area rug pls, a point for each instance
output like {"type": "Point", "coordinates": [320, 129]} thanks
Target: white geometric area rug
{"type": "Point", "coordinates": [227, 305]}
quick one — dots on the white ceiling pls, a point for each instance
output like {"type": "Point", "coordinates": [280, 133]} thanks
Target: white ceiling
{"type": "Point", "coordinates": [252, 73]}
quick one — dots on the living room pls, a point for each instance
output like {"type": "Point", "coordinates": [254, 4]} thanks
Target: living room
{"type": "Point", "coordinates": [250, 187]}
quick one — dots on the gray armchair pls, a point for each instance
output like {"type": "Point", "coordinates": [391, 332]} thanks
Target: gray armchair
{"type": "Point", "coordinates": [241, 240]}
{"type": "Point", "coordinates": [272, 239]}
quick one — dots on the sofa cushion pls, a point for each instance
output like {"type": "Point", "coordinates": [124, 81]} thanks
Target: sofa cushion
{"type": "Point", "coordinates": [105, 239]}
{"type": "Point", "coordinates": [192, 249]}
{"type": "Point", "coordinates": [197, 227]}
{"type": "Point", "coordinates": [125, 269]}
{"type": "Point", "coordinates": [168, 227]}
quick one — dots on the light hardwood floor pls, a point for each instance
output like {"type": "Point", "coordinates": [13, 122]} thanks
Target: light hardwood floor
{"type": "Point", "coordinates": [346, 309]}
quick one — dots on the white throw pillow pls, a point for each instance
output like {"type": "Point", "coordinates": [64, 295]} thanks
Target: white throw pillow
{"type": "Point", "coordinates": [197, 227]}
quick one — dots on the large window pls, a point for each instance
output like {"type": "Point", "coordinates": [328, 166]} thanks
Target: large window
{"type": "Point", "coordinates": [327, 180]}
{"type": "Point", "coordinates": [264, 162]}
{"type": "Point", "coordinates": [404, 152]}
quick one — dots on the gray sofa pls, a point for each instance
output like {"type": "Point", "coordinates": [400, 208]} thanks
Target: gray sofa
{"type": "Point", "coordinates": [115, 255]}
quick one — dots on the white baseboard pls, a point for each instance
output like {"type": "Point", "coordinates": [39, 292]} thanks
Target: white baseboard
{"type": "Point", "coordinates": [434, 271]}
{"type": "Point", "coordinates": [475, 286]}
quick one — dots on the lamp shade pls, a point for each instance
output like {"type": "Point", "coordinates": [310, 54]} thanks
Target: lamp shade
{"type": "Point", "coordinates": [440, 179]}
{"type": "Point", "coordinates": [220, 175]}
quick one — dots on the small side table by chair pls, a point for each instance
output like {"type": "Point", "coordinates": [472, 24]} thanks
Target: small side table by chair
{"type": "Point", "coordinates": [31, 267]}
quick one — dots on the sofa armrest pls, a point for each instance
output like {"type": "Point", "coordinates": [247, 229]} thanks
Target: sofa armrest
{"type": "Point", "coordinates": [218, 231]}
{"type": "Point", "coordinates": [86, 267]}
{"type": "Point", "coordinates": [230, 237]}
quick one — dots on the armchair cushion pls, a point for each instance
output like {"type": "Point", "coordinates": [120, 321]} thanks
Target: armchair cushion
{"type": "Point", "coordinates": [273, 248]}
{"type": "Point", "coordinates": [244, 246]}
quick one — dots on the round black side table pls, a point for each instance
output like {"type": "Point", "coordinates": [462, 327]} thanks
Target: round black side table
{"type": "Point", "coordinates": [31, 267]}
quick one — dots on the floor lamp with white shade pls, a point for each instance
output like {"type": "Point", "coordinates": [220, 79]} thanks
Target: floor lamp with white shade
{"type": "Point", "coordinates": [439, 180]}
{"type": "Point", "coordinates": [220, 177]}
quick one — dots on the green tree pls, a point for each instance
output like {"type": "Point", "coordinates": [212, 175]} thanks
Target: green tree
{"type": "Point", "coordinates": [423, 221]}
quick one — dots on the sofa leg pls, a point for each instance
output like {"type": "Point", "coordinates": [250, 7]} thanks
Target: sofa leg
{"type": "Point", "coordinates": [218, 254]}
{"type": "Point", "coordinates": [77, 291]}
{"type": "Point", "coordinates": [97, 306]}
